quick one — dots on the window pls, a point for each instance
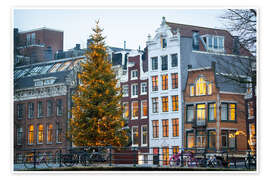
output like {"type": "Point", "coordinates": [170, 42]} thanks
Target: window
{"type": "Point", "coordinates": [155, 128]}
{"type": "Point", "coordinates": [20, 111]}
{"type": "Point", "coordinates": [144, 108]}
{"type": "Point", "coordinates": [209, 89]}
{"type": "Point", "coordinates": [59, 109]}
{"type": "Point", "coordinates": [191, 90]}
{"type": "Point", "coordinates": [210, 42]}
{"type": "Point", "coordinates": [174, 80]}
{"type": "Point", "coordinates": [195, 40]}
{"type": "Point", "coordinates": [28, 39]}
{"type": "Point", "coordinates": [144, 135]}
{"type": "Point", "coordinates": [252, 135]}
{"type": "Point", "coordinates": [31, 134]}
{"type": "Point", "coordinates": [175, 149]}
{"type": "Point", "coordinates": [40, 134]}
{"type": "Point", "coordinates": [58, 133]}
{"type": "Point", "coordinates": [134, 89]}
{"type": "Point", "coordinates": [126, 110]}
{"type": "Point", "coordinates": [174, 60]}
{"type": "Point", "coordinates": [200, 112]}
{"type": "Point", "coordinates": [175, 126]}
{"type": "Point", "coordinates": [155, 105]}
{"type": "Point", "coordinates": [134, 74]}
{"type": "Point", "coordinates": [211, 139]}
{"type": "Point", "coordinates": [165, 82]}
{"type": "Point", "coordinates": [200, 87]}
{"type": "Point", "coordinates": [33, 38]}
{"type": "Point", "coordinates": [165, 127]}
{"type": "Point", "coordinates": [49, 133]}
{"type": "Point", "coordinates": [30, 110]}
{"type": "Point", "coordinates": [190, 139]}
{"type": "Point", "coordinates": [165, 155]}
{"type": "Point", "coordinates": [154, 83]}
{"type": "Point", "coordinates": [144, 88]}
{"type": "Point", "coordinates": [212, 112]}
{"type": "Point", "coordinates": [135, 110]}
{"type": "Point", "coordinates": [49, 108]}
{"type": "Point", "coordinates": [135, 135]}
{"type": "Point", "coordinates": [125, 90]}
{"type": "Point", "coordinates": [175, 103]}
{"type": "Point", "coordinates": [200, 139]}
{"type": "Point", "coordinates": [40, 109]}
{"type": "Point", "coordinates": [154, 63]}
{"type": "Point", "coordinates": [250, 110]}
{"type": "Point", "coordinates": [228, 139]}
{"type": "Point", "coordinates": [164, 63]}
{"type": "Point", "coordinates": [215, 42]}
{"type": "Point", "coordinates": [190, 113]}
{"type": "Point", "coordinates": [19, 135]}
{"type": "Point", "coordinates": [228, 112]}
{"type": "Point", "coordinates": [165, 107]}
{"type": "Point", "coordinates": [163, 42]}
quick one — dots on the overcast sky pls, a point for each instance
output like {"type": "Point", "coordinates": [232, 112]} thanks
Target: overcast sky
{"type": "Point", "coordinates": [130, 25]}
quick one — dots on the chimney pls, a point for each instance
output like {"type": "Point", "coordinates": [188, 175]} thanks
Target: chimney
{"type": "Point", "coordinates": [189, 66]}
{"type": "Point", "coordinates": [124, 45]}
{"type": "Point", "coordinates": [77, 47]}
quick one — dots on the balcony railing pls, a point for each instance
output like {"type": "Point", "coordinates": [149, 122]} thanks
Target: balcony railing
{"type": "Point", "coordinates": [199, 123]}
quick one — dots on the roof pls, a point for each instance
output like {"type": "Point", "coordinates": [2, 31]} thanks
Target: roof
{"type": "Point", "coordinates": [39, 29]}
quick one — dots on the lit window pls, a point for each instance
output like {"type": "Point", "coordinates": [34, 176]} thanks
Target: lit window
{"type": "Point", "coordinates": [175, 103]}
{"type": "Point", "coordinates": [200, 139]}
{"type": "Point", "coordinates": [49, 133]}
{"type": "Point", "coordinates": [154, 63]}
{"type": "Point", "coordinates": [165, 127]}
{"type": "Point", "coordinates": [200, 87]}
{"type": "Point", "coordinates": [31, 134]}
{"type": "Point", "coordinates": [40, 134]}
{"type": "Point", "coordinates": [144, 135]}
{"type": "Point", "coordinates": [155, 105]}
{"type": "Point", "coordinates": [209, 89]}
{"type": "Point", "coordinates": [165, 154]}
{"type": "Point", "coordinates": [134, 89]}
{"type": "Point", "coordinates": [135, 135]}
{"type": "Point", "coordinates": [164, 63]}
{"type": "Point", "coordinates": [175, 125]}
{"type": "Point", "coordinates": [165, 107]}
{"type": "Point", "coordinates": [165, 82]}
{"type": "Point", "coordinates": [125, 90]}
{"type": "Point", "coordinates": [190, 139]}
{"type": "Point", "coordinates": [154, 83]}
{"type": "Point", "coordinates": [135, 110]}
{"type": "Point", "coordinates": [212, 111]}
{"type": "Point", "coordinates": [125, 110]}
{"type": "Point", "coordinates": [175, 149]}
{"type": "Point", "coordinates": [174, 60]}
{"type": "Point", "coordinates": [211, 139]}
{"type": "Point", "coordinates": [191, 90]}
{"type": "Point", "coordinates": [144, 108]}
{"type": "Point", "coordinates": [250, 110]}
{"type": "Point", "coordinates": [155, 128]}
{"type": "Point", "coordinates": [144, 88]}
{"type": "Point", "coordinates": [228, 112]}
{"type": "Point", "coordinates": [232, 112]}
{"type": "Point", "coordinates": [174, 80]}
{"type": "Point", "coordinates": [200, 112]}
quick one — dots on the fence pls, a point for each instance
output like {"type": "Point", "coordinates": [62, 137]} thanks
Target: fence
{"type": "Point", "coordinates": [132, 156]}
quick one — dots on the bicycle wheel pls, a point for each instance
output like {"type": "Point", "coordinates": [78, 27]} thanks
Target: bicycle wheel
{"type": "Point", "coordinates": [28, 162]}
{"type": "Point", "coordinates": [68, 160]}
{"type": "Point", "coordinates": [85, 159]}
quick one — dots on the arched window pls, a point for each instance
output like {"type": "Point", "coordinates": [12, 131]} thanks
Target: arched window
{"type": "Point", "coordinates": [200, 87]}
{"type": "Point", "coordinates": [31, 134]}
{"type": "Point", "coordinates": [40, 134]}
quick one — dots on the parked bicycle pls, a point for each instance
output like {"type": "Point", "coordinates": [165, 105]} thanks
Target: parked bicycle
{"type": "Point", "coordinates": [183, 158]}
{"type": "Point", "coordinates": [40, 162]}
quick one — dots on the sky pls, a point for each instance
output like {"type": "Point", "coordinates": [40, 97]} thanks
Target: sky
{"type": "Point", "coordinates": [130, 25]}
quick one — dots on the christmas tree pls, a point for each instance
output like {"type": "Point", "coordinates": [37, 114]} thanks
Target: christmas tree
{"type": "Point", "coordinates": [96, 112]}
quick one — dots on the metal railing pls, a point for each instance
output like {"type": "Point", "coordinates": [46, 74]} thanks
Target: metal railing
{"type": "Point", "coordinates": [109, 156]}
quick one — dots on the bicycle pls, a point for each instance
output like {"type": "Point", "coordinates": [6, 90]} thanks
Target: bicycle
{"type": "Point", "coordinates": [40, 162]}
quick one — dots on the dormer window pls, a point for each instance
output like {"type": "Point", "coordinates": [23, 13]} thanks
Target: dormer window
{"type": "Point", "coordinates": [195, 40]}
{"type": "Point", "coordinates": [43, 82]}
{"type": "Point", "coordinates": [215, 43]}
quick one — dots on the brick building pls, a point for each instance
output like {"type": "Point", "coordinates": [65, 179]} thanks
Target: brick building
{"type": "Point", "coordinates": [214, 117]}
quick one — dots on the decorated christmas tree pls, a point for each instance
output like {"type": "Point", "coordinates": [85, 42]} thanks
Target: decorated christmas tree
{"type": "Point", "coordinates": [96, 112]}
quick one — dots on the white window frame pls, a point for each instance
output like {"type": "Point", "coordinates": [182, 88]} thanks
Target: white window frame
{"type": "Point", "coordinates": [143, 88]}
{"type": "Point", "coordinates": [134, 72]}
{"type": "Point", "coordinates": [142, 135]}
{"type": "Point", "coordinates": [132, 90]}
{"type": "Point", "coordinates": [220, 48]}
{"type": "Point", "coordinates": [134, 145]}
{"type": "Point", "coordinates": [142, 116]}
{"type": "Point", "coordinates": [124, 109]}
{"type": "Point", "coordinates": [132, 110]}
{"type": "Point", "coordinates": [125, 90]}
